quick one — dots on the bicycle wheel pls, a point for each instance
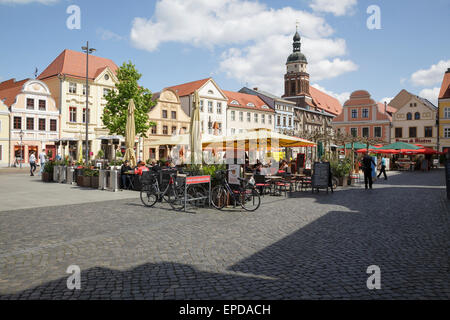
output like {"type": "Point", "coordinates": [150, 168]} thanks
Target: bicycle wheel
{"type": "Point", "coordinates": [149, 196]}
{"type": "Point", "coordinates": [175, 199]}
{"type": "Point", "coordinates": [249, 198]}
{"type": "Point", "coordinates": [195, 192]}
{"type": "Point", "coordinates": [219, 197]}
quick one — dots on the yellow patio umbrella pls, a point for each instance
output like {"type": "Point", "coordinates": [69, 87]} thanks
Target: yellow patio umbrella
{"type": "Point", "coordinates": [130, 135]}
{"type": "Point", "coordinates": [80, 152]}
{"type": "Point", "coordinates": [195, 138]}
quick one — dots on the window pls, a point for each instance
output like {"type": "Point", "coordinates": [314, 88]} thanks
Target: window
{"type": "Point", "coordinates": [106, 92]}
{"type": "Point", "coordinates": [365, 113]}
{"type": "Point", "coordinates": [412, 132]}
{"type": "Point", "coordinates": [174, 115]}
{"type": "Point", "coordinates": [201, 105]}
{"type": "Point", "coordinates": [447, 113]}
{"type": "Point", "coordinates": [106, 77]}
{"type": "Point", "coordinates": [354, 132]}
{"type": "Point", "coordinates": [365, 132]}
{"type": "Point", "coordinates": [219, 124]}
{"type": "Point", "coordinates": [84, 89]}
{"type": "Point", "coordinates": [248, 117]}
{"type": "Point", "coordinates": [174, 129]}
{"type": "Point", "coordinates": [30, 104]}
{"type": "Point", "coordinates": [219, 108]}
{"type": "Point", "coordinates": [1, 152]}
{"type": "Point", "coordinates": [263, 118]}
{"type": "Point", "coordinates": [278, 121]}
{"type": "Point", "coordinates": [42, 105]}
{"type": "Point", "coordinates": [84, 115]}
{"type": "Point", "coordinates": [354, 113]}
{"type": "Point", "coordinates": [210, 107]}
{"type": "Point", "coordinates": [377, 132]}
{"type": "Point", "coordinates": [398, 132]}
{"type": "Point", "coordinates": [284, 121]}
{"type": "Point", "coordinates": [233, 115]}
{"type": "Point", "coordinates": [428, 132]}
{"type": "Point", "coordinates": [234, 102]}
{"type": "Point", "coordinates": [17, 123]}
{"type": "Point", "coordinates": [446, 132]}
{"type": "Point", "coordinates": [210, 92]}
{"type": "Point", "coordinates": [72, 87]}
{"type": "Point", "coordinates": [252, 105]}
{"type": "Point", "coordinates": [270, 119]}
{"type": "Point", "coordinates": [409, 116]}
{"type": "Point", "coordinates": [241, 116]}
{"type": "Point", "coordinates": [154, 129]}
{"type": "Point", "coordinates": [165, 130]}
{"type": "Point", "coordinates": [164, 114]}
{"type": "Point", "coordinates": [41, 124]}
{"type": "Point", "coordinates": [52, 124]}
{"type": "Point", "coordinates": [203, 127]}
{"type": "Point", "coordinates": [417, 116]}
{"type": "Point", "coordinates": [256, 118]}
{"type": "Point", "coordinates": [72, 114]}
{"type": "Point", "coordinates": [233, 130]}
{"type": "Point", "coordinates": [30, 123]}
{"type": "Point", "coordinates": [184, 130]}
{"type": "Point", "coordinates": [290, 122]}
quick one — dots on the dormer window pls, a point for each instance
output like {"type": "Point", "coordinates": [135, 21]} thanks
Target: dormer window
{"type": "Point", "coordinates": [264, 107]}
{"type": "Point", "coordinates": [234, 102]}
{"type": "Point", "coordinates": [250, 105]}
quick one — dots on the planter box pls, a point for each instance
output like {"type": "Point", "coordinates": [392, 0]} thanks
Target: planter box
{"type": "Point", "coordinates": [343, 181]}
{"type": "Point", "coordinates": [94, 182]}
{"type": "Point", "coordinates": [83, 181]}
{"type": "Point", "coordinates": [47, 177]}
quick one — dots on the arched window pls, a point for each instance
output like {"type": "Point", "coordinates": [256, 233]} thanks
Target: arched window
{"type": "Point", "coordinates": [409, 116]}
{"type": "Point", "coordinates": [417, 116]}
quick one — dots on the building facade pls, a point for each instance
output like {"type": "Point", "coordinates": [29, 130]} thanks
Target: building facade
{"type": "Point", "coordinates": [34, 118]}
{"type": "Point", "coordinates": [4, 135]}
{"type": "Point", "coordinates": [213, 105]}
{"type": "Point", "coordinates": [444, 113]}
{"type": "Point", "coordinates": [284, 121]}
{"type": "Point", "coordinates": [66, 78]}
{"type": "Point", "coordinates": [414, 121]}
{"type": "Point", "coordinates": [170, 120]}
{"type": "Point", "coordinates": [361, 116]}
{"type": "Point", "coordinates": [247, 112]}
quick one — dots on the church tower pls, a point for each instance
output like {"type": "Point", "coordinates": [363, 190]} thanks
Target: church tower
{"type": "Point", "coordinates": [296, 79]}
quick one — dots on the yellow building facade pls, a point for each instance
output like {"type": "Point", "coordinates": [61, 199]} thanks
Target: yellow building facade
{"type": "Point", "coordinates": [444, 113]}
{"type": "Point", "coordinates": [170, 120]}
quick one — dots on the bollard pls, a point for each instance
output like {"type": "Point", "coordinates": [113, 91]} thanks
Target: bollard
{"type": "Point", "coordinates": [102, 184]}
{"type": "Point", "coordinates": [113, 180]}
{"type": "Point", "coordinates": [62, 174]}
{"type": "Point", "coordinates": [56, 173]}
{"type": "Point", "coordinates": [70, 172]}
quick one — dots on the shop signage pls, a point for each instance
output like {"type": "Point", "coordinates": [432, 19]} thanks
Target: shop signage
{"type": "Point", "coordinates": [416, 140]}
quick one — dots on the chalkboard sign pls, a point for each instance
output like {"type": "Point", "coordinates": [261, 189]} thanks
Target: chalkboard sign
{"type": "Point", "coordinates": [447, 177]}
{"type": "Point", "coordinates": [322, 176]}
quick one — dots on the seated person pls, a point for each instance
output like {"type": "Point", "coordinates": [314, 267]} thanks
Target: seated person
{"type": "Point", "coordinates": [140, 168]}
{"type": "Point", "coordinates": [154, 166]}
{"type": "Point", "coordinates": [258, 168]}
{"type": "Point", "coordinates": [124, 177]}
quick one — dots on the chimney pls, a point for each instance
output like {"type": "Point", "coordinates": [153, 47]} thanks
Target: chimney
{"type": "Point", "coordinates": [385, 107]}
{"type": "Point", "coordinates": [256, 89]}
{"type": "Point", "coordinates": [448, 70]}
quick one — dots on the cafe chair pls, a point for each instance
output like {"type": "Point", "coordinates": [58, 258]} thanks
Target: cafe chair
{"type": "Point", "coordinates": [262, 184]}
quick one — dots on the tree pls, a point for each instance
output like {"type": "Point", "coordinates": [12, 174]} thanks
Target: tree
{"type": "Point", "coordinates": [115, 113]}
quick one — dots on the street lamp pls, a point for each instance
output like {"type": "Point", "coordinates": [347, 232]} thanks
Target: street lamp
{"type": "Point", "coordinates": [87, 50]}
{"type": "Point", "coordinates": [21, 148]}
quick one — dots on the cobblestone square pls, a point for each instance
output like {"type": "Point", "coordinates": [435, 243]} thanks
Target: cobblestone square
{"type": "Point", "coordinates": [305, 246]}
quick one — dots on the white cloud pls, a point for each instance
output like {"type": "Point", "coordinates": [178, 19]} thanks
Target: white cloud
{"type": "Point", "coordinates": [252, 52]}
{"type": "Point", "coordinates": [108, 35]}
{"type": "Point", "coordinates": [430, 94]}
{"type": "Point", "coordinates": [336, 7]}
{"type": "Point", "coordinates": [430, 76]}
{"type": "Point", "coordinates": [46, 2]}
{"type": "Point", "coordinates": [342, 97]}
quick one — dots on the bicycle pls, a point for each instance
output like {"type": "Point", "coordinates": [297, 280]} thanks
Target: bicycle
{"type": "Point", "coordinates": [172, 194]}
{"type": "Point", "coordinates": [247, 196]}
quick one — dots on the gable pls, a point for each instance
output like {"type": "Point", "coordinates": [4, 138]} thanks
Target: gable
{"type": "Point", "coordinates": [210, 90]}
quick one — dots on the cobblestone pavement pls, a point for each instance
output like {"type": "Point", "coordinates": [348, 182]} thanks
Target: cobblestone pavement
{"type": "Point", "coordinates": [302, 247]}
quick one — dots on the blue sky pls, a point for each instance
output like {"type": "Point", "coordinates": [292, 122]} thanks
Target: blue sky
{"type": "Point", "coordinates": [240, 42]}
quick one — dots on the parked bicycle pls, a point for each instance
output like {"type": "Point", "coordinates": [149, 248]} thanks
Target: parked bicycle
{"type": "Point", "coordinates": [173, 193]}
{"type": "Point", "coordinates": [246, 195]}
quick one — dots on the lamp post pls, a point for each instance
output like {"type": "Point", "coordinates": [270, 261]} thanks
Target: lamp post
{"type": "Point", "coordinates": [21, 148]}
{"type": "Point", "coordinates": [87, 50]}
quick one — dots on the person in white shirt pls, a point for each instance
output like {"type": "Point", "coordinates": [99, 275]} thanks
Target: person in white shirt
{"type": "Point", "coordinates": [42, 159]}
{"type": "Point", "coordinates": [32, 161]}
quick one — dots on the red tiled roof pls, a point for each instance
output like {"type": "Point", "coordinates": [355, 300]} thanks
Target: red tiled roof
{"type": "Point", "coordinates": [359, 97]}
{"type": "Point", "coordinates": [9, 89]}
{"type": "Point", "coordinates": [325, 101]}
{"type": "Point", "coordinates": [73, 63]}
{"type": "Point", "coordinates": [188, 88]}
{"type": "Point", "coordinates": [445, 87]}
{"type": "Point", "coordinates": [244, 99]}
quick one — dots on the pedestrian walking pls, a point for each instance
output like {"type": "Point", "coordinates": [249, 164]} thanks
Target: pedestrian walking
{"type": "Point", "coordinates": [42, 159]}
{"type": "Point", "coordinates": [32, 161]}
{"type": "Point", "coordinates": [383, 168]}
{"type": "Point", "coordinates": [367, 162]}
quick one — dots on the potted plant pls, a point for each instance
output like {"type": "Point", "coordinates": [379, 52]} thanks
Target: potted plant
{"type": "Point", "coordinates": [95, 179]}
{"type": "Point", "coordinates": [341, 170]}
{"type": "Point", "coordinates": [47, 175]}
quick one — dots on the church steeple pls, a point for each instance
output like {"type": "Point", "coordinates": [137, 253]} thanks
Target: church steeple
{"type": "Point", "coordinates": [296, 45]}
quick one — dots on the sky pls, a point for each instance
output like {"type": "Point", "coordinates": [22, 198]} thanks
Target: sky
{"type": "Point", "coordinates": [240, 43]}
